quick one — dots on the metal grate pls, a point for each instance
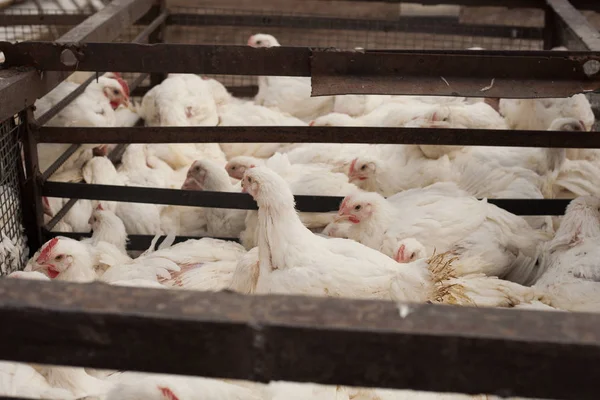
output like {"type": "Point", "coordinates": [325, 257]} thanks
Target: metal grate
{"type": "Point", "coordinates": [58, 23]}
{"type": "Point", "coordinates": [230, 26]}
{"type": "Point", "coordinates": [13, 250]}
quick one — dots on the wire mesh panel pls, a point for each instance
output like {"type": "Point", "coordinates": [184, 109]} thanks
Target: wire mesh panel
{"type": "Point", "coordinates": [229, 26]}
{"type": "Point", "coordinates": [20, 24]}
{"type": "Point", "coordinates": [13, 250]}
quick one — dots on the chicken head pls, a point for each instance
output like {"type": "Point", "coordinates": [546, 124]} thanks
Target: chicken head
{"type": "Point", "coordinates": [262, 40]}
{"type": "Point", "coordinates": [361, 170]}
{"type": "Point", "coordinates": [53, 258]}
{"type": "Point", "coordinates": [116, 90]}
{"type": "Point", "coordinates": [238, 165]}
{"type": "Point", "coordinates": [354, 210]}
{"type": "Point", "coordinates": [195, 177]}
{"type": "Point", "coordinates": [409, 250]}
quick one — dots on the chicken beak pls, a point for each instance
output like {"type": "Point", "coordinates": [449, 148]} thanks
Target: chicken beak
{"type": "Point", "coordinates": [341, 217]}
{"type": "Point", "coordinates": [191, 184]}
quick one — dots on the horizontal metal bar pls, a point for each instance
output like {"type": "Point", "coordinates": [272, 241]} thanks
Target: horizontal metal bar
{"type": "Point", "coordinates": [437, 24]}
{"type": "Point", "coordinates": [245, 202]}
{"type": "Point", "coordinates": [237, 91]}
{"type": "Point", "coordinates": [7, 19]}
{"type": "Point", "coordinates": [134, 242]}
{"type": "Point", "coordinates": [453, 73]}
{"type": "Point", "coordinates": [318, 134]}
{"type": "Point", "coordinates": [573, 29]}
{"type": "Point", "coordinates": [305, 339]}
{"type": "Point", "coordinates": [581, 4]}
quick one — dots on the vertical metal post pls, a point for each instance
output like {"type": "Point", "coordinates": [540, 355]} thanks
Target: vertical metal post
{"type": "Point", "coordinates": [158, 36]}
{"type": "Point", "coordinates": [550, 36]}
{"type": "Point", "coordinates": [33, 214]}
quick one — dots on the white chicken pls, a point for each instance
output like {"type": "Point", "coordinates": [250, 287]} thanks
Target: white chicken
{"type": "Point", "coordinates": [289, 94]}
{"type": "Point", "coordinates": [180, 100]}
{"type": "Point", "coordinates": [468, 227]}
{"type": "Point", "coordinates": [94, 107]}
{"type": "Point", "coordinates": [309, 179]}
{"type": "Point", "coordinates": [571, 272]}
{"type": "Point", "coordinates": [294, 260]}
{"type": "Point", "coordinates": [204, 175]}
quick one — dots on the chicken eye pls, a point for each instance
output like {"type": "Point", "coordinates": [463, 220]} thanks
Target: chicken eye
{"type": "Point", "coordinates": [197, 169]}
{"type": "Point", "coordinates": [358, 207]}
{"type": "Point", "coordinates": [233, 168]}
{"type": "Point", "coordinates": [249, 180]}
{"type": "Point", "coordinates": [58, 257]}
{"type": "Point", "coordinates": [363, 167]}
{"type": "Point", "coordinates": [412, 256]}
{"type": "Point", "coordinates": [115, 92]}
{"type": "Point", "coordinates": [259, 42]}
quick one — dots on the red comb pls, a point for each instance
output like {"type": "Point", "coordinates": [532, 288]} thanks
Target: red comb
{"type": "Point", "coordinates": [311, 123]}
{"type": "Point", "coordinates": [352, 165]}
{"type": "Point", "coordinates": [116, 74]}
{"type": "Point", "coordinates": [123, 84]}
{"type": "Point", "coordinates": [344, 202]}
{"type": "Point", "coordinates": [46, 250]}
{"type": "Point", "coordinates": [45, 201]}
{"type": "Point", "coordinates": [167, 393]}
{"type": "Point", "coordinates": [99, 207]}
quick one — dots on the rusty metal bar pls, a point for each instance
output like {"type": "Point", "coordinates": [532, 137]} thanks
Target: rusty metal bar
{"type": "Point", "coordinates": [315, 134]}
{"type": "Point", "coordinates": [456, 74]}
{"type": "Point", "coordinates": [41, 19]}
{"type": "Point", "coordinates": [32, 201]}
{"type": "Point", "coordinates": [575, 31]}
{"type": "Point", "coordinates": [134, 242]}
{"type": "Point", "coordinates": [242, 201]}
{"type": "Point", "coordinates": [305, 339]}
{"type": "Point", "coordinates": [438, 24]}
{"type": "Point", "coordinates": [453, 73]}
{"type": "Point", "coordinates": [581, 4]}
{"type": "Point", "coordinates": [20, 88]}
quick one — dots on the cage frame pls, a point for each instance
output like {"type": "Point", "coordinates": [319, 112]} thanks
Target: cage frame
{"type": "Point", "coordinates": [429, 336]}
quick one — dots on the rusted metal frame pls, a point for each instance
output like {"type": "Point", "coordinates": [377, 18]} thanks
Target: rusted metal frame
{"type": "Point", "coordinates": [581, 4]}
{"type": "Point", "coordinates": [33, 214]}
{"type": "Point", "coordinates": [134, 242]}
{"type": "Point", "coordinates": [305, 339]}
{"type": "Point", "coordinates": [414, 24]}
{"type": "Point", "coordinates": [452, 74]}
{"type": "Point", "coordinates": [503, 74]}
{"type": "Point", "coordinates": [41, 19]}
{"type": "Point", "coordinates": [237, 91]}
{"type": "Point", "coordinates": [573, 27]}
{"type": "Point", "coordinates": [20, 88]}
{"type": "Point", "coordinates": [318, 134]}
{"type": "Point", "coordinates": [242, 201]}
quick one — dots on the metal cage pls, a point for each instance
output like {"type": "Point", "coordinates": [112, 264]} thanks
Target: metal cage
{"type": "Point", "coordinates": [266, 338]}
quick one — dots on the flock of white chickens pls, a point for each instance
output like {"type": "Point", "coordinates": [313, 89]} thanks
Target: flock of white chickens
{"type": "Point", "coordinates": [410, 227]}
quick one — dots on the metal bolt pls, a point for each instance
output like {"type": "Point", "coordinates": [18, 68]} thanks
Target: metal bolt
{"type": "Point", "coordinates": [591, 68]}
{"type": "Point", "coordinates": [67, 57]}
